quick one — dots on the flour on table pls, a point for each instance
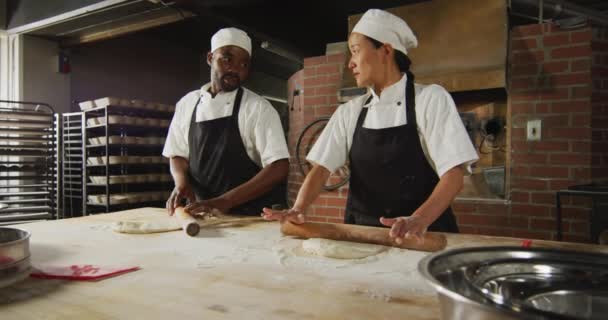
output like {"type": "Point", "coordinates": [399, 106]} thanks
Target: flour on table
{"type": "Point", "coordinates": [169, 224]}
{"type": "Point", "coordinates": [341, 249]}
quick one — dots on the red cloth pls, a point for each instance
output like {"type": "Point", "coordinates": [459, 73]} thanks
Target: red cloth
{"type": "Point", "coordinates": [79, 272]}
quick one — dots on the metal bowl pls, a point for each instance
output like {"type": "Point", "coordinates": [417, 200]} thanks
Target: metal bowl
{"type": "Point", "coordinates": [518, 283]}
{"type": "Point", "coordinates": [14, 255]}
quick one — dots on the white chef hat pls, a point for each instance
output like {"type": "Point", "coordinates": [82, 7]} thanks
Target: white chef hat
{"type": "Point", "coordinates": [231, 37]}
{"type": "Point", "coordinates": [387, 28]}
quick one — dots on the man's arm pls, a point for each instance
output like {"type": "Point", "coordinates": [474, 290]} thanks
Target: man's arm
{"type": "Point", "coordinates": [183, 190]}
{"type": "Point", "coordinates": [261, 183]}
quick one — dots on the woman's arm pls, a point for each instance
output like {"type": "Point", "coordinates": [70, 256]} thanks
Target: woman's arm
{"type": "Point", "coordinates": [309, 191]}
{"type": "Point", "coordinates": [444, 193]}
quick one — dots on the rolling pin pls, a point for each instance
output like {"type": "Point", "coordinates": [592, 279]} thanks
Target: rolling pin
{"type": "Point", "coordinates": [188, 223]}
{"type": "Point", "coordinates": [432, 241]}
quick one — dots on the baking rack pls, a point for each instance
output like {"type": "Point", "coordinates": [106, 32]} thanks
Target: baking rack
{"type": "Point", "coordinates": [73, 135]}
{"type": "Point", "coordinates": [123, 164]}
{"type": "Point", "coordinates": [28, 161]}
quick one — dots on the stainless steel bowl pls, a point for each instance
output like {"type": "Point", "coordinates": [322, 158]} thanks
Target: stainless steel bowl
{"type": "Point", "coordinates": [14, 255]}
{"type": "Point", "coordinates": [518, 283]}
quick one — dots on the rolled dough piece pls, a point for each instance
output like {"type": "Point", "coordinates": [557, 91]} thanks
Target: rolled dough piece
{"type": "Point", "coordinates": [340, 249]}
{"type": "Point", "coordinates": [139, 227]}
{"type": "Point", "coordinates": [168, 223]}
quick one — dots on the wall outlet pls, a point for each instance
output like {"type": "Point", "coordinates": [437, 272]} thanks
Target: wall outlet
{"type": "Point", "coordinates": [534, 130]}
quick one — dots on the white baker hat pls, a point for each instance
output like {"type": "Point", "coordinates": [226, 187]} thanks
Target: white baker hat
{"type": "Point", "coordinates": [231, 37]}
{"type": "Point", "coordinates": [387, 28]}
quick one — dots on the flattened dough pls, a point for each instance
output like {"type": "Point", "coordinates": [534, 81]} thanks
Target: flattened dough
{"type": "Point", "coordinates": [139, 227]}
{"type": "Point", "coordinates": [166, 223]}
{"type": "Point", "coordinates": [340, 249]}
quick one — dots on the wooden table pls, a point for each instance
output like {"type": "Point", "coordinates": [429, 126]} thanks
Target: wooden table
{"type": "Point", "coordinates": [234, 272]}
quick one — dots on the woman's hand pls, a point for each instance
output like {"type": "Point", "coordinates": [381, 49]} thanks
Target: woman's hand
{"type": "Point", "coordinates": [405, 227]}
{"type": "Point", "coordinates": [292, 215]}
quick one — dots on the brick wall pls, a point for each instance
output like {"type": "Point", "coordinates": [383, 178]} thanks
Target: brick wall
{"type": "Point", "coordinates": [551, 74]}
{"type": "Point", "coordinates": [320, 80]}
{"type": "Point", "coordinates": [550, 79]}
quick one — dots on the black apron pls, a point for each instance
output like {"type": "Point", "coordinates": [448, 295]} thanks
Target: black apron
{"type": "Point", "coordinates": [219, 162]}
{"type": "Point", "coordinates": [390, 175]}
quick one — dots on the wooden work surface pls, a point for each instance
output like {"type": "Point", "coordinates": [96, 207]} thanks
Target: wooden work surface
{"type": "Point", "coordinates": [246, 271]}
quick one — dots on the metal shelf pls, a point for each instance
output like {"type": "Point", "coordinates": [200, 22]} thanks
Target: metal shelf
{"type": "Point", "coordinates": [26, 209]}
{"type": "Point", "coordinates": [24, 132]}
{"type": "Point", "coordinates": [90, 184]}
{"type": "Point", "coordinates": [122, 127]}
{"type": "Point", "coordinates": [73, 169]}
{"type": "Point", "coordinates": [24, 194]}
{"type": "Point", "coordinates": [124, 110]}
{"type": "Point", "coordinates": [23, 186]}
{"type": "Point", "coordinates": [25, 139]}
{"type": "Point", "coordinates": [113, 149]}
{"type": "Point", "coordinates": [124, 204]}
{"type": "Point", "coordinates": [39, 200]}
{"type": "Point", "coordinates": [128, 164]}
{"type": "Point", "coordinates": [126, 145]}
{"type": "Point", "coordinates": [25, 153]}
{"type": "Point", "coordinates": [28, 153]}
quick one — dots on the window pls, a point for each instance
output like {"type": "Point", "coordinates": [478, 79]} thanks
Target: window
{"type": "Point", "coordinates": [3, 66]}
{"type": "Point", "coordinates": [10, 66]}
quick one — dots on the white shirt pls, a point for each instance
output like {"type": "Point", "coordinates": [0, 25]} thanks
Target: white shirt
{"type": "Point", "coordinates": [259, 124]}
{"type": "Point", "coordinates": [445, 141]}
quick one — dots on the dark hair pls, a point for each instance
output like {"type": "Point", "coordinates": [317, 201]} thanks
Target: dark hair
{"type": "Point", "coordinates": [401, 59]}
{"type": "Point", "coordinates": [403, 63]}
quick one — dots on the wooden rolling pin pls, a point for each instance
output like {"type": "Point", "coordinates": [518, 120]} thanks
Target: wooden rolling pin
{"type": "Point", "coordinates": [188, 223]}
{"type": "Point", "coordinates": [347, 232]}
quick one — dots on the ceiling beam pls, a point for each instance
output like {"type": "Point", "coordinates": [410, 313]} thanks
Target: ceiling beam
{"type": "Point", "coordinates": [113, 29]}
{"type": "Point", "coordinates": [569, 8]}
{"type": "Point", "coordinates": [67, 16]}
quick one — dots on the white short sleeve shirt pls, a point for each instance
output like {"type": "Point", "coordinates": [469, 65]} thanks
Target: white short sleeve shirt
{"type": "Point", "coordinates": [445, 141]}
{"type": "Point", "coordinates": [259, 124]}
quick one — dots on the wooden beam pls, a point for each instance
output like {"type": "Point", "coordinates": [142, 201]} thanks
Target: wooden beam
{"type": "Point", "coordinates": [126, 28]}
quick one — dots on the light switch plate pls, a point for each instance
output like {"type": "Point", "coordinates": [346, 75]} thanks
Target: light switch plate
{"type": "Point", "coordinates": [534, 130]}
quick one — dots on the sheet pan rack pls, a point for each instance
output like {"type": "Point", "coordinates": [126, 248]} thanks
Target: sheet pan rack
{"type": "Point", "coordinates": [28, 161]}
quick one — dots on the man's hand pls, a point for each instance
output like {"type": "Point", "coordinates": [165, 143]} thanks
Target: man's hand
{"type": "Point", "coordinates": [179, 193]}
{"type": "Point", "coordinates": [292, 215]}
{"type": "Point", "coordinates": [206, 206]}
{"type": "Point", "coordinates": [405, 227]}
